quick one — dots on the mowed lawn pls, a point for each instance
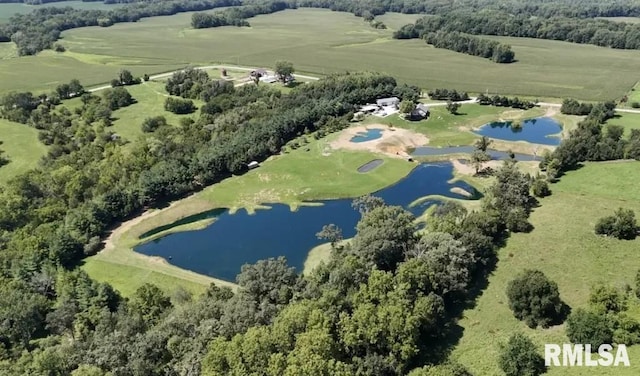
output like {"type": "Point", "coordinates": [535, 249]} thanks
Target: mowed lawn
{"type": "Point", "coordinates": [150, 97]}
{"type": "Point", "coordinates": [21, 145]}
{"type": "Point", "coordinates": [628, 120]}
{"type": "Point", "coordinates": [563, 245]}
{"type": "Point", "coordinates": [445, 129]}
{"type": "Point", "coordinates": [320, 42]}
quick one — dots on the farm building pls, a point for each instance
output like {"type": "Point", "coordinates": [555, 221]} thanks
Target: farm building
{"type": "Point", "coordinates": [420, 112]}
{"type": "Point", "coordinates": [388, 102]}
{"type": "Point", "coordinates": [268, 79]}
{"type": "Point", "coordinates": [369, 108]}
{"type": "Point", "coordinates": [260, 72]}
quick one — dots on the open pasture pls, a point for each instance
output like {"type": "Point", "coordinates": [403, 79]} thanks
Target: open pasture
{"type": "Point", "coordinates": [320, 42]}
{"type": "Point", "coordinates": [21, 146]}
{"type": "Point", "coordinates": [564, 246]}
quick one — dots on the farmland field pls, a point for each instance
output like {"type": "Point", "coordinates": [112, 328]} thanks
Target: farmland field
{"type": "Point", "coordinates": [562, 245]}
{"type": "Point", "coordinates": [321, 42]}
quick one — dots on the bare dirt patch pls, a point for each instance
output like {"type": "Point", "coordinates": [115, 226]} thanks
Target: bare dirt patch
{"type": "Point", "coordinates": [393, 141]}
{"type": "Point", "coordinates": [460, 191]}
{"type": "Point", "coordinates": [552, 111]}
{"type": "Point", "coordinates": [468, 169]}
{"type": "Point", "coordinates": [190, 206]}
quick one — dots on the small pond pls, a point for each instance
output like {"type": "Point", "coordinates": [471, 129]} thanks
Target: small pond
{"type": "Point", "coordinates": [370, 165]}
{"type": "Point", "coordinates": [542, 130]}
{"type": "Point", "coordinates": [368, 135]}
{"type": "Point", "coordinates": [220, 249]}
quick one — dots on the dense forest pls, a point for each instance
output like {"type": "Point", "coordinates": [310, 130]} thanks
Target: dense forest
{"type": "Point", "coordinates": [566, 20]}
{"type": "Point", "coordinates": [498, 22]}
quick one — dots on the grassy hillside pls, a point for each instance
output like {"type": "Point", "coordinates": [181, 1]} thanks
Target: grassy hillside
{"type": "Point", "coordinates": [21, 145]}
{"type": "Point", "coordinates": [321, 41]}
{"type": "Point", "coordinates": [563, 245]}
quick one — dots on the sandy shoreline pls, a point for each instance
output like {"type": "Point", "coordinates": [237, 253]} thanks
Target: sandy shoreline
{"type": "Point", "coordinates": [393, 142]}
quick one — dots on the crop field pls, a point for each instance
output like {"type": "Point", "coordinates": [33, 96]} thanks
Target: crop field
{"type": "Point", "coordinates": [562, 245]}
{"type": "Point", "coordinates": [320, 42]}
{"type": "Point", "coordinates": [21, 146]}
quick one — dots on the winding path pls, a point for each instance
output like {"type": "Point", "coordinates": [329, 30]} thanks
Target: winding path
{"type": "Point", "coordinates": [205, 67]}
{"type": "Point", "coordinates": [234, 67]}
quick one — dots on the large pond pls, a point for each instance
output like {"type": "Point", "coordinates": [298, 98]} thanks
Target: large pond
{"type": "Point", "coordinates": [220, 249]}
{"type": "Point", "coordinates": [542, 130]}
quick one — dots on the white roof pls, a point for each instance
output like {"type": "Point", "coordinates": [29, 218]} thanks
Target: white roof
{"type": "Point", "coordinates": [388, 100]}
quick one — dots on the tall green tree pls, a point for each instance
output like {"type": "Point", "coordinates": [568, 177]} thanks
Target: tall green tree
{"type": "Point", "coordinates": [534, 299]}
{"type": "Point", "coordinates": [453, 107]}
{"type": "Point", "coordinates": [519, 357]}
{"type": "Point", "coordinates": [284, 70]}
{"type": "Point", "coordinates": [385, 235]}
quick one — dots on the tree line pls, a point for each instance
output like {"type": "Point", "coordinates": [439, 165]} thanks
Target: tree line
{"type": "Point", "coordinates": [504, 101]}
{"type": "Point", "coordinates": [598, 32]}
{"type": "Point", "coordinates": [592, 140]}
{"type": "Point", "coordinates": [238, 16]}
{"type": "Point", "coordinates": [558, 19]}
{"type": "Point", "coordinates": [38, 30]}
{"type": "Point", "coordinates": [471, 45]}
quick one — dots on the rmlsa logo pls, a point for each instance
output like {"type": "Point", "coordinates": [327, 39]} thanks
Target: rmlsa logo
{"type": "Point", "coordinates": [570, 355]}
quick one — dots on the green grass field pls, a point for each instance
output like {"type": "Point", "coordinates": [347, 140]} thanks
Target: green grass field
{"type": "Point", "coordinates": [564, 246]}
{"type": "Point", "coordinates": [320, 41]}
{"type": "Point", "coordinates": [21, 145]}
{"type": "Point", "coordinates": [445, 129]}
{"type": "Point", "coordinates": [627, 120]}
{"type": "Point", "coordinates": [633, 95]}
{"type": "Point", "coordinates": [150, 97]}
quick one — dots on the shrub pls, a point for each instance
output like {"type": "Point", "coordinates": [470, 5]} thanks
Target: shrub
{"type": "Point", "coordinates": [589, 328]}
{"type": "Point", "coordinates": [622, 225]}
{"type": "Point", "coordinates": [59, 48]}
{"type": "Point", "coordinates": [606, 299]}
{"type": "Point", "coordinates": [635, 104]}
{"type": "Point", "coordinates": [534, 299]}
{"type": "Point", "coordinates": [540, 188]}
{"type": "Point", "coordinates": [517, 220]}
{"type": "Point", "coordinates": [179, 106]}
{"type": "Point", "coordinates": [519, 357]}
{"type": "Point", "coordinates": [151, 124]}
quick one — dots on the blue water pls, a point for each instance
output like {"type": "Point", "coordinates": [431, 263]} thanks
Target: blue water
{"type": "Point", "coordinates": [368, 135]}
{"type": "Point", "coordinates": [542, 130]}
{"type": "Point", "coordinates": [220, 249]}
{"type": "Point", "coordinates": [422, 151]}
